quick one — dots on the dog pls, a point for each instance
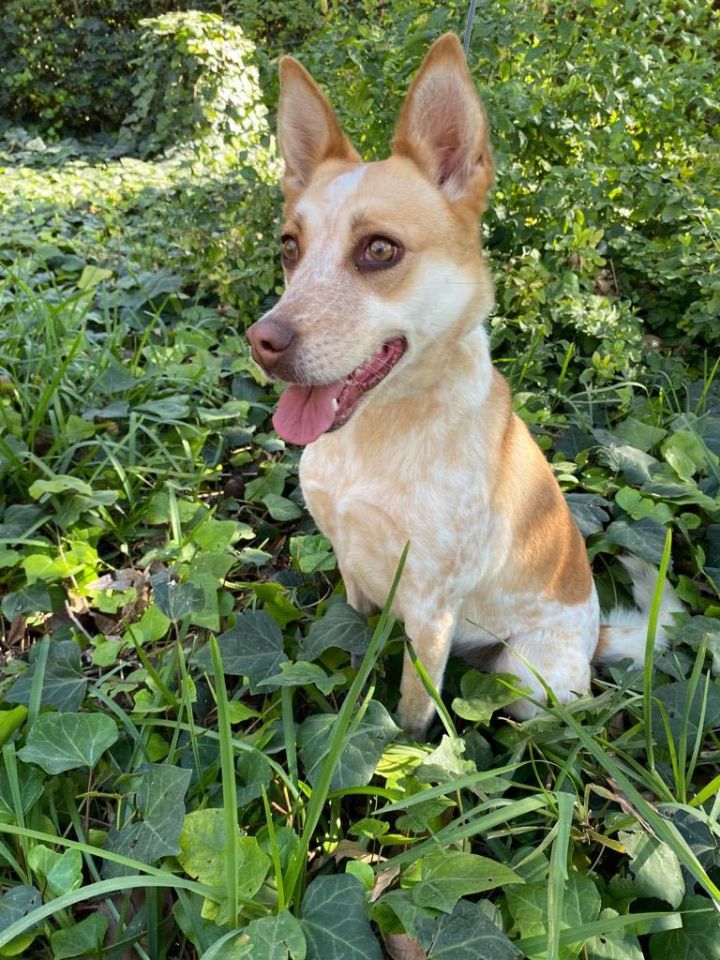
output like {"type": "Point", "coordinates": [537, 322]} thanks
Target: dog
{"type": "Point", "coordinates": [408, 429]}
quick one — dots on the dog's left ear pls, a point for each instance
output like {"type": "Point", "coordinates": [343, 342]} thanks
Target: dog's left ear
{"type": "Point", "coordinates": [443, 127]}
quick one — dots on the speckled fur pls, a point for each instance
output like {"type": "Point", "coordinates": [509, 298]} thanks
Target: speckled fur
{"type": "Point", "coordinates": [434, 455]}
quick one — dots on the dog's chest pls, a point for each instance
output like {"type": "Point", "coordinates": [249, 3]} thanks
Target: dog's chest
{"type": "Point", "coordinates": [370, 507]}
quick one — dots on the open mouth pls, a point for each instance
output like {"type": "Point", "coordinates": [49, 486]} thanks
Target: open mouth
{"type": "Point", "coordinates": [305, 413]}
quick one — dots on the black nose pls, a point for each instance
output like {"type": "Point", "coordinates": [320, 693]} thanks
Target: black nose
{"type": "Point", "coordinates": [270, 342]}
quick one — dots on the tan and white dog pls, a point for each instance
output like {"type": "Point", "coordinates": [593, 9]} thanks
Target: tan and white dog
{"type": "Point", "coordinates": [409, 430]}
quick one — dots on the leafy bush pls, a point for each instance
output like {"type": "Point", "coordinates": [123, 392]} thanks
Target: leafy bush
{"type": "Point", "coordinates": [66, 63]}
{"type": "Point", "coordinates": [194, 80]}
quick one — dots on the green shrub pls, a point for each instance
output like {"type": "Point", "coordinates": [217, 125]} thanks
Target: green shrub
{"type": "Point", "coordinates": [194, 81]}
{"type": "Point", "coordinates": [66, 63]}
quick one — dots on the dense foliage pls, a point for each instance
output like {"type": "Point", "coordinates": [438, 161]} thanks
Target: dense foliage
{"type": "Point", "coordinates": [194, 81]}
{"type": "Point", "coordinates": [147, 508]}
{"type": "Point", "coordinates": [67, 63]}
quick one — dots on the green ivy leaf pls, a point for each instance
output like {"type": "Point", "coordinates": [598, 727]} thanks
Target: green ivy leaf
{"type": "Point", "coordinates": [160, 804]}
{"type": "Point", "coordinates": [82, 939]}
{"type": "Point", "coordinates": [528, 908]}
{"type": "Point", "coordinates": [177, 600]}
{"type": "Point", "coordinates": [673, 697]}
{"type": "Point", "coordinates": [153, 625]}
{"type": "Point", "coordinates": [639, 507]}
{"type": "Point", "coordinates": [254, 771]}
{"type": "Point", "coordinates": [64, 684]}
{"type": "Point", "coordinates": [341, 627]}
{"type": "Point", "coordinates": [697, 939]}
{"type": "Point", "coordinates": [92, 276]}
{"type": "Point", "coordinates": [215, 536]}
{"type": "Point", "coordinates": [15, 905]}
{"type": "Point", "coordinates": [57, 873]}
{"type": "Point", "coordinates": [312, 553]}
{"type": "Point", "coordinates": [202, 855]}
{"type": "Point", "coordinates": [271, 481]}
{"type": "Point", "coordinates": [65, 741]}
{"type": "Point", "coordinates": [645, 538]}
{"type": "Point", "coordinates": [589, 511]}
{"type": "Point", "coordinates": [166, 408]}
{"type": "Point", "coordinates": [208, 571]}
{"type": "Point", "coordinates": [62, 483]}
{"type": "Point", "coordinates": [482, 695]}
{"type": "Point", "coordinates": [655, 867]}
{"type": "Point", "coordinates": [253, 648]}
{"type": "Point", "coordinates": [446, 877]}
{"type": "Point", "coordinates": [361, 751]}
{"type": "Point", "coordinates": [686, 454]}
{"type": "Point", "coordinates": [31, 783]}
{"type": "Point", "coordinates": [272, 938]}
{"type": "Point", "coordinates": [446, 762]}
{"type": "Point", "coordinates": [35, 598]}
{"type": "Point", "coordinates": [644, 436]}
{"type": "Point", "coordinates": [395, 912]}
{"type": "Point", "coordinates": [334, 922]}
{"type": "Point", "coordinates": [615, 945]}
{"type": "Point", "coordinates": [300, 674]}
{"type": "Point", "coordinates": [468, 934]}
{"type": "Point", "coordinates": [9, 558]}
{"type": "Point", "coordinates": [633, 464]}
{"type": "Point", "coordinates": [280, 508]}
{"type": "Point", "coordinates": [202, 933]}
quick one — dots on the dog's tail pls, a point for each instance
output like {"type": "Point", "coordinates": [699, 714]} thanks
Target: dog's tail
{"type": "Point", "coordinates": [623, 632]}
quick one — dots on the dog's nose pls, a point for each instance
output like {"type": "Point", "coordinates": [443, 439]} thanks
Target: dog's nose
{"type": "Point", "coordinates": [270, 341]}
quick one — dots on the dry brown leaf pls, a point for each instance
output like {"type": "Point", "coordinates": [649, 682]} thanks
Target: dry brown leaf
{"type": "Point", "coordinates": [402, 947]}
{"type": "Point", "coordinates": [351, 850]}
{"type": "Point", "coordinates": [383, 880]}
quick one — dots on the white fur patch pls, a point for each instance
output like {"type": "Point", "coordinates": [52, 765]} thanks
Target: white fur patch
{"type": "Point", "coordinates": [626, 629]}
{"type": "Point", "coordinates": [343, 187]}
{"type": "Point", "coordinates": [321, 212]}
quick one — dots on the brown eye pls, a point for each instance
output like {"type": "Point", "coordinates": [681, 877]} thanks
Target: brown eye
{"type": "Point", "coordinates": [290, 249]}
{"type": "Point", "coordinates": [379, 252]}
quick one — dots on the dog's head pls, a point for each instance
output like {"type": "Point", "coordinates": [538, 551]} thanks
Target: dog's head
{"type": "Point", "coordinates": [382, 260]}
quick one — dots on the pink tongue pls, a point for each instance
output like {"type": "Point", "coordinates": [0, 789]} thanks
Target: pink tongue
{"type": "Point", "coordinates": [304, 413]}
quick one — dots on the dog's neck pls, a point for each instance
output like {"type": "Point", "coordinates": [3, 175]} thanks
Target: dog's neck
{"type": "Point", "coordinates": [440, 396]}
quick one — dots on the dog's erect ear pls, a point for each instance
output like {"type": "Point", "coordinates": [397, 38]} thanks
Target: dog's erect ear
{"type": "Point", "coordinates": [308, 130]}
{"type": "Point", "coordinates": [443, 126]}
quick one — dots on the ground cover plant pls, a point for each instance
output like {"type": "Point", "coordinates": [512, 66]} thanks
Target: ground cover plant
{"type": "Point", "coordinates": [191, 767]}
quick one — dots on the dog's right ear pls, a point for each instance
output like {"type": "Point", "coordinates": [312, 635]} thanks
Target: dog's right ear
{"type": "Point", "coordinates": [308, 129]}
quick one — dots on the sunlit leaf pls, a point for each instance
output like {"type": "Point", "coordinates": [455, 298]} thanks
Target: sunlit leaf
{"type": "Point", "coordinates": [65, 741]}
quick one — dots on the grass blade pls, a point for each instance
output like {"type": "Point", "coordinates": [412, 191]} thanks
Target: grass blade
{"type": "Point", "coordinates": [650, 646]}
{"type": "Point", "coordinates": [92, 891]}
{"type": "Point", "coordinates": [229, 785]}
{"type": "Point", "coordinates": [664, 830]}
{"type": "Point", "coordinates": [558, 872]}
{"type": "Point", "coordinates": [639, 923]}
{"type": "Point", "coordinates": [337, 738]}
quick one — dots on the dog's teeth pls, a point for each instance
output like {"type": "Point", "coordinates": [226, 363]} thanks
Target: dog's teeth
{"type": "Point", "coordinates": [335, 405]}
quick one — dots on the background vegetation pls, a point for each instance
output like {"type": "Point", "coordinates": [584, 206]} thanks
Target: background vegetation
{"type": "Point", "coordinates": [146, 507]}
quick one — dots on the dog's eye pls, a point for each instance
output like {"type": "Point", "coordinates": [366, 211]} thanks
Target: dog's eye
{"type": "Point", "coordinates": [379, 252]}
{"type": "Point", "coordinates": [290, 249]}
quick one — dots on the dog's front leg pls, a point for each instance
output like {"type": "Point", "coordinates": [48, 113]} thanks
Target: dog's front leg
{"type": "Point", "coordinates": [431, 639]}
{"type": "Point", "coordinates": [356, 598]}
